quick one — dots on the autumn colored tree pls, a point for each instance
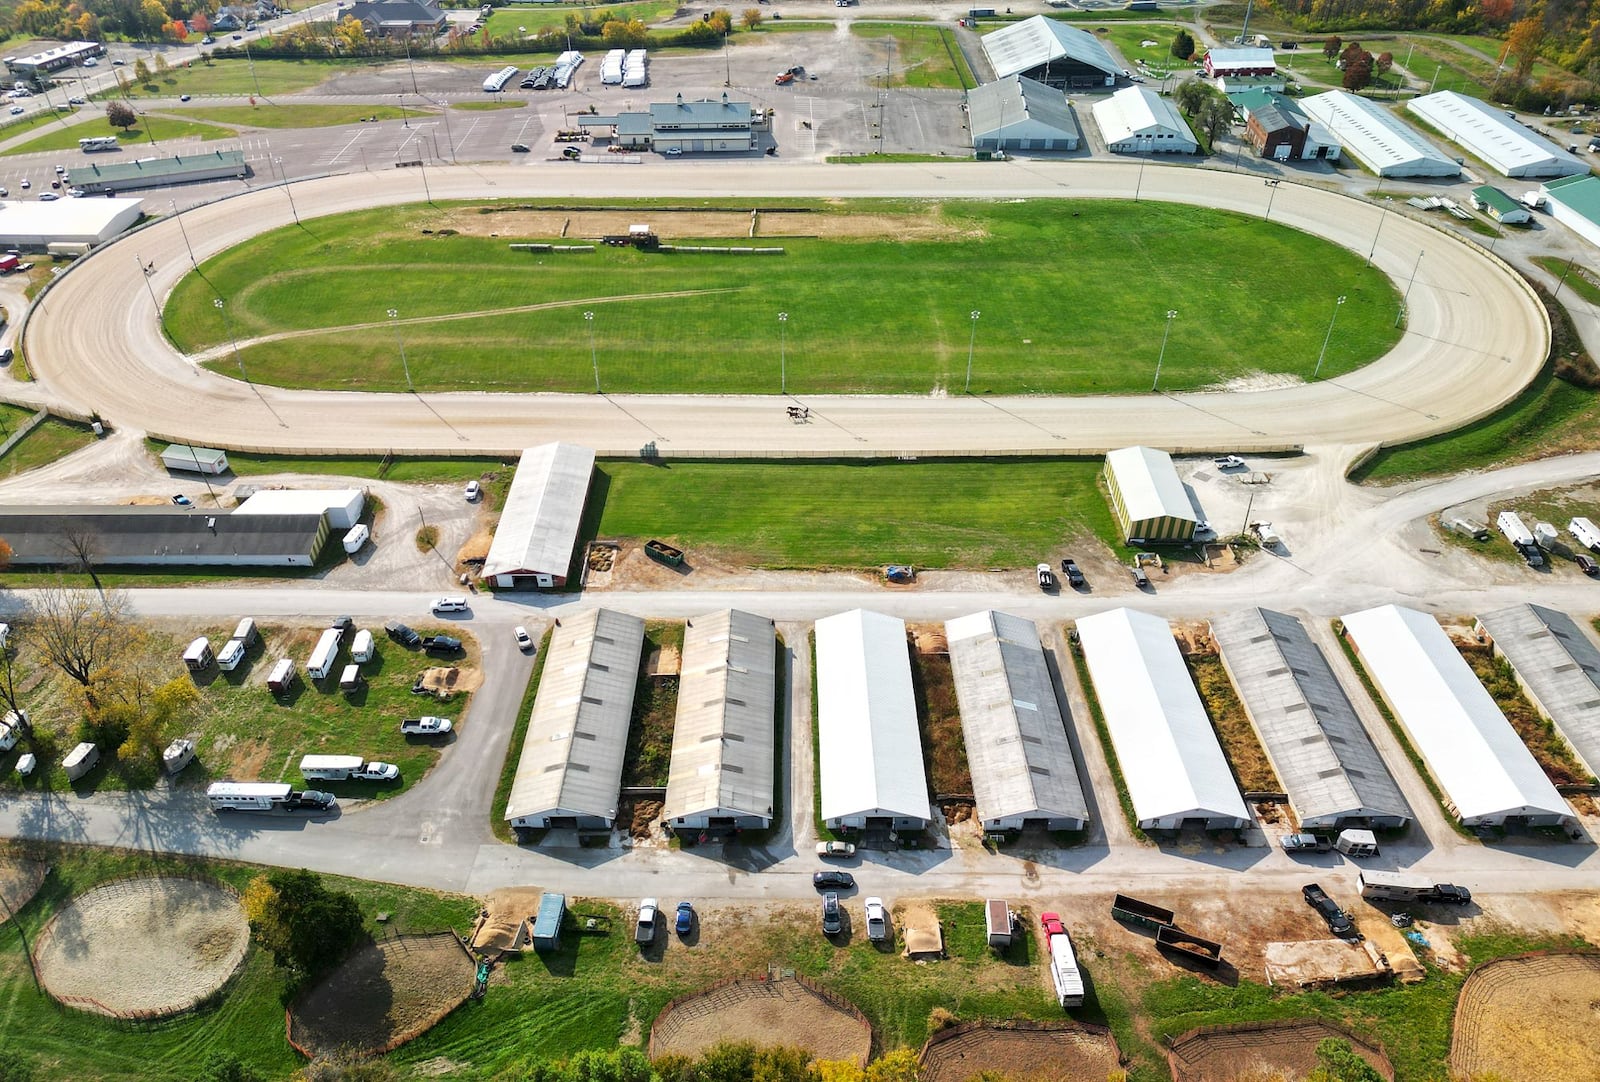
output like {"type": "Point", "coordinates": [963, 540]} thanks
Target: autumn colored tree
{"type": "Point", "coordinates": [1358, 71]}
{"type": "Point", "coordinates": [200, 23]}
{"type": "Point", "coordinates": [1496, 12]}
{"type": "Point", "coordinates": [175, 30]}
{"type": "Point", "coordinates": [1331, 47]}
{"type": "Point", "coordinates": [120, 115]}
{"type": "Point", "coordinates": [751, 18]}
{"type": "Point", "coordinates": [1523, 43]}
{"type": "Point", "coordinates": [1383, 63]}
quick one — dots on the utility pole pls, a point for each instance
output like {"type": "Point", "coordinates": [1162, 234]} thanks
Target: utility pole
{"type": "Point", "coordinates": [971, 344]}
{"type": "Point", "coordinates": [1327, 337]}
{"type": "Point", "coordinates": [1171, 315]}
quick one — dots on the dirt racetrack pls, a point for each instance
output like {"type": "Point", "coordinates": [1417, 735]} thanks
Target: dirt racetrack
{"type": "Point", "coordinates": [1529, 1018]}
{"type": "Point", "coordinates": [143, 947]}
{"type": "Point", "coordinates": [384, 995]}
{"type": "Point", "coordinates": [1063, 1052]}
{"type": "Point", "coordinates": [1222, 1053]}
{"type": "Point", "coordinates": [779, 1012]}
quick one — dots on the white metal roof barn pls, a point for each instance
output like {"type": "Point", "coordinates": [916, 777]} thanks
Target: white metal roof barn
{"type": "Point", "coordinates": [1148, 497]}
{"type": "Point", "coordinates": [721, 772]}
{"type": "Point", "coordinates": [569, 773]}
{"type": "Point", "coordinates": [1051, 52]}
{"type": "Point", "coordinates": [29, 223]}
{"type": "Point", "coordinates": [1380, 140]}
{"type": "Point", "coordinates": [1170, 759]}
{"type": "Point", "coordinates": [869, 749]}
{"type": "Point", "coordinates": [539, 523]}
{"type": "Point", "coordinates": [1508, 146]}
{"type": "Point", "coordinates": [1313, 737]}
{"type": "Point", "coordinates": [1487, 773]}
{"type": "Point", "coordinates": [343, 506]}
{"type": "Point", "coordinates": [1559, 668]}
{"type": "Point", "coordinates": [1137, 120]}
{"type": "Point", "coordinates": [1023, 771]}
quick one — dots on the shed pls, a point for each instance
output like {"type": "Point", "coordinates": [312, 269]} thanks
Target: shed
{"type": "Point", "coordinates": [342, 506]}
{"type": "Point", "coordinates": [1023, 770]}
{"type": "Point", "coordinates": [869, 749]}
{"type": "Point", "coordinates": [30, 223]}
{"type": "Point", "coordinates": [1311, 733]}
{"type": "Point", "coordinates": [1137, 120]}
{"type": "Point", "coordinates": [538, 527]}
{"type": "Point", "coordinates": [1050, 52]}
{"type": "Point", "coordinates": [1249, 61]}
{"type": "Point", "coordinates": [1171, 762]}
{"type": "Point", "coordinates": [1575, 203]}
{"type": "Point", "coordinates": [721, 775]}
{"type": "Point", "coordinates": [1558, 667]}
{"type": "Point", "coordinates": [1486, 772]}
{"type": "Point", "coordinates": [1500, 206]}
{"type": "Point", "coordinates": [547, 923]}
{"type": "Point", "coordinates": [569, 772]}
{"type": "Point", "coordinates": [1148, 498]}
{"type": "Point", "coordinates": [1018, 115]}
{"type": "Point", "coordinates": [190, 459]}
{"type": "Point", "coordinates": [1508, 146]}
{"type": "Point", "coordinates": [1377, 138]}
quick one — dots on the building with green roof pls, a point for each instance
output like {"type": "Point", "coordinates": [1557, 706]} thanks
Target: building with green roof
{"type": "Point", "coordinates": [1575, 203]}
{"type": "Point", "coordinates": [1500, 206]}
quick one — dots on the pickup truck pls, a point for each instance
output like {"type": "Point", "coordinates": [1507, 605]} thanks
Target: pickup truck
{"type": "Point", "coordinates": [877, 920]}
{"type": "Point", "coordinates": [1338, 920]}
{"type": "Point", "coordinates": [441, 644]}
{"type": "Point", "coordinates": [425, 726]}
{"type": "Point", "coordinates": [1305, 843]}
{"type": "Point", "coordinates": [1074, 576]}
{"type": "Point", "coordinates": [308, 800]}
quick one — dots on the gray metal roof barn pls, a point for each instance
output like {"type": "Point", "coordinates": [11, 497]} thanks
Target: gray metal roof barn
{"type": "Point", "coordinates": [868, 746]}
{"type": "Point", "coordinates": [1558, 666]}
{"type": "Point", "coordinates": [1051, 52]}
{"type": "Point", "coordinates": [722, 773]}
{"type": "Point", "coordinates": [539, 523]}
{"type": "Point", "coordinates": [1508, 146]}
{"type": "Point", "coordinates": [1023, 770]}
{"type": "Point", "coordinates": [1147, 496]}
{"type": "Point", "coordinates": [569, 773]}
{"type": "Point", "coordinates": [1020, 114]}
{"type": "Point", "coordinates": [1377, 138]}
{"type": "Point", "coordinates": [1311, 733]}
{"type": "Point", "coordinates": [161, 536]}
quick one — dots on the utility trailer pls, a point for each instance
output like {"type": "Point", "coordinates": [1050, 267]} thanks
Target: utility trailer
{"type": "Point", "coordinates": [1198, 950]}
{"type": "Point", "coordinates": [1133, 911]}
{"type": "Point", "coordinates": [663, 553]}
{"type": "Point", "coordinates": [999, 923]}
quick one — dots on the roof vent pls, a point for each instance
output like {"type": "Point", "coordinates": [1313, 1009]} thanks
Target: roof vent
{"type": "Point", "coordinates": [211, 524]}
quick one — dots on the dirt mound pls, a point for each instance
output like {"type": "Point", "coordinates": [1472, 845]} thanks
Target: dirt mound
{"type": "Point", "coordinates": [1047, 1052]}
{"type": "Point", "coordinates": [384, 995]}
{"type": "Point", "coordinates": [503, 913]}
{"type": "Point", "coordinates": [1529, 1018]}
{"type": "Point", "coordinates": [778, 1012]}
{"type": "Point", "coordinates": [1222, 1053]}
{"type": "Point", "coordinates": [143, 947]}
{"type": "Point", "coordinates": [20, 880]}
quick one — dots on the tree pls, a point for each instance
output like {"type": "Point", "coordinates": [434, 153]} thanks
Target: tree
{"type": "Point", "coordinates": [162, 66]}
{"type": "Point", "coordinates": [1183, 45]}
{"type": "Point", "coordinates": [225, 1066]}
{"type": "Point", "coordinates": [1338, 1062]}
{"type": "Point", "coordinates": [1331, 47]}
{"type": "Point", "coordinates": [175, 31]}
{"type": "Point", "coordinates": [149, 724]}
{"type": "Point", "coordinates": [1358, 71]}
{"type": "Point", "coordinates": [1383, 63]}
{"type": "Point", "coordinates": [5, 554]}
{"type": "Point", "coordinates": [1523, 43]}
{"type": "Point", "coordinates": [199, 23]}
{"type": "Point", "coordinates": [1215, 116]}
{"type": "Point", "coordinates": [721, 21]}
{"type": "Point", "coordinates": [78, 632]}
{"type": "Point", "coordinates": [350, 32]}
{"type": "Point", "coordinates": [1192, 94]}
{"type": "Point", "coordinates": [751, 18]}
{"type": "Point", "coordinates": [141, 71]}
{"type": "Point", "coordinates": [10, 654]}
{"type": "Point", "coordinates": [84, 548]}
{"type": "Point", "coordinates": [306, 926]}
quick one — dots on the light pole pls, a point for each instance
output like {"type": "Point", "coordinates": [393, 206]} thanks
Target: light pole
{"type": "Point", "coordinates": [1273, 194]}
{"type": "Point", "coordinates": [594, 358]}
{"type": "Point", "coordinates": [1140, 185]}
{"type": "Point", "coordinates": [287, 190]}
{"type": "Point", "coordinates": [1406, 296]}
{"type": "Point", "coordinates": [783, 353]}
{"type": "Point", "coordinates": [972, 342]}
{"type": "Point", "coordinates": [413, 70]}
{"type": "Point", "coordinates": [394, 319]}
{"type": "Point", "coordinates": [1171, 315]}
{"type": "Point", "coordinates": [1563, 281]}
{"type": "Point", "coordinates": [248, 59]}
{"type": "Point", "coordinates": [1327, 337]}
{"type": "Point", "coordinates": [405, 118]}
{"type": "Point", "coordinates": [176, 213]}
{"type": "Point", "coordinates": [1388, 200]}
{"type": "Point", "coordinates": [228, 325]}
{"type": "Point", "coordinates": [147, 270]}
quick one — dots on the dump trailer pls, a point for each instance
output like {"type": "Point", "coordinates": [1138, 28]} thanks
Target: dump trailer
{"type": "Point", "coordinates": [1407, 887]}
{"type": "Point", "coordinates": [1193, 947]}
{"type": "Point", "coordinates": [1064, 973]}
{"type": "Point", "coordinates": [1133, 911]}
{"type": "Point", "coordinates": [663, 553]}
{"type": "Point", "coordinates": [547, 924]}
{"type": "Point", "coordinates": [999, 923]}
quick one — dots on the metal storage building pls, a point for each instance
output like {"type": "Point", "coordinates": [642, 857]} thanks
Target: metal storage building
{"type": "Point", "coordinates": [1486, 772]}
{"type": "Point", "coordinates": [1147, 497]}
{"type": "Point", "coordinates": [31, 224]}
{"type": "Point", "coordinates": [870, 752]}
{"type": "Point", "coordinates": [1559, 668]}
{"type": "Point", "coordinates": [122, 175]}
{"type": "Point", "coordinates": [1172, 764]}
{"type": "Point", "coordinates": [189, 459]}
{"type": "Point", "coordinates": [161, 537]}
{"type": "Point", "coordinates": [1023, 770]}
{"type": "Point", "coordinates": [539, 523]}
{"type": "Point", "coordinates": [1137, 120]}
{"type": "Point", "coordinates": [1020, 114]}
{"type": "Point", "coordinates": [1499, 206]}
{"type": "Point", "coordinates": [1379, 140]}
{"type": "Point", "coordinates": [343, 506]}
{"type": "Point", "coordinates": [1507, 146]}
{"type": "Point", "coordinates": [1575, 203]}
{"type": "Point", "coordinates": [721, 775]}
{"type": "Point", "coordinates": [1050, 52]}
{"type": "Point", "coordinates": [546, 935]}
{"type": "Point", "coordinates": [1311, 733]}
{"type": "Point", "coordinates": [1249, 60]}
{"type": "Point", "coordinates": [569, 773]}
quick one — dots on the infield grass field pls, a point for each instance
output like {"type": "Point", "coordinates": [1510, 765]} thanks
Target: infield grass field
{"type": "Point", "coordinates": [159, 128]}
{"type": "Point", "coordinates": [270, 115]}
{"type": "Point", "coordinates": [878, 294]}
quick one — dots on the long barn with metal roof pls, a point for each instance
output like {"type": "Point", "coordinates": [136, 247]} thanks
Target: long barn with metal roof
{"type": "Point", "coordinates": [569, 774]}
{"type": "Point", "coordinates": [1174, 768]}
{"type": "Point", "coordinates": [1508, 146]}
{"type": "Point", "coordinates": [1148, 497]}
{"type": "Point", "coordinates": [1377, 138]}
{"type": "Point", "coordinates": [869, 748]}
{"type": "Point", "coordinates": [538, 526]}
{"type": "Point", "coordinates": [1329, 767]}
{"type": "Point", "coordinates": [1485, 770]}
{"type": "Point", "coordinates": [721, 774]}
{"type": "Point", "coordinates": [1558, 666]}
{"type": "Point", "coordinates": [1023, 770]}
{"type": "Point", "coordinates": [1049, 52]}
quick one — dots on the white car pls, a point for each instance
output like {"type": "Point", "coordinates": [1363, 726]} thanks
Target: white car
{"type": "Point", "coordinates": [835, 849]}
{"type": "Point", "coordinates": [377, 772]}
{"type": "Point", "coordinates": [524, 640]}
{"type": "Point", "coordinates": [474, 490]}
{"type": "Point", "coordinates": [91, 62]}
{"type": "Point", "coordinates": [877, 920]}
{"type": "Point", "coordinates": [17, 110]}
{"type": "Point", "coordinates": [48, 197]}
{"type": "Point", "coordinates": [449, 604]}
{"type": "Point", "coordinates": [76, 193]}
{"type": "Point", "coordinates": [645, 930]}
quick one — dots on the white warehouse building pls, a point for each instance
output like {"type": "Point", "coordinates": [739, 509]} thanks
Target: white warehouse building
{"type": "Point", "coordinates": [1171, 762]}
{"type": "Point", "coordinates": [1379, 140]}
{"type": "Point", "coordinates": [1137, 120]}
{"type": "Point", "coordinates": [1509, 147]}
{"type": "Point", "coordinates": [1023, 770]}
{"type": "Point", "coordinates": [1486, 772]}
{"type": "Point", "coordinates": [869, 749]}
{"type": "Point", "coordinates": [342, 506]}
{"type": "Point", "coordinates": [29, 224]}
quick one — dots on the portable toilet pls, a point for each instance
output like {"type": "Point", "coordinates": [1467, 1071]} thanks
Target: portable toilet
{"type": "Point", "coordinates": [1357, 843]}
{"type": "Point", "coordinates": [80, 760]}
{"type": "Point", "coordinates": [362, 649]}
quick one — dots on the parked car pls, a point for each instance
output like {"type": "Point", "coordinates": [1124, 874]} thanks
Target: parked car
{"type": "Point", "coordinates": [182, 501]}
{"type": "Point", "coordinates": [26, 183]}
{"type": "Point", "coordinates": [832, 880]}
{"type": "Point", "coordinates": [685, 919]}
{"type": "Point", "coordinates": [645, 930]}
{"type": "Point", "coordinates": [4, 191]}
{"type": "Point", "coordinates": [309, 800]}
{"type": "Point", "coordinates": [441, 644]}
{"type": "Point", "coordinates": [48, 197]}
{"type": "Point", "coordinates": [76, 101]}
{"type": "Point", "coordinates": [61, 170]}
{"type": "Point", "coordinates": [17, 110]}
{"type": "Point", "coordinates": [521, 148]}
{"type": "Point", "coordinates": [1338, 920]}
{"type": "Point", "coordinates": [671, 152]}
{"type": "Point", "coordinates": [1141, 578]}
{"type": "Point", "coordinates": [7, 354]}
{"type": "Point", "coordinates": [1305, 843]}
{"type": "Point", "coordinates": [524, 640]}
{"type": "Point", "coordinates": [1047, 578]}
{"type": "Point", "coordinates": [877, 920]}
{"type": "Point", "coordinates": [377, 772]}
{"type": "Point", "coordinates": [835, 849]}
{"type": "Point", "coordinates": [832, 914]}
{"type": "Point", "coordinates": [76, 193]}
{"type": "Point", "coordinates": [426, 726]}
{"type": "Point", "coordinates": [449, 604]}
{"type": "Point", "coordinates": [1587, 565]}
{"type": "Point", "coordinates": [343, 625]}
{"type": "Point", "coordinates": [474, 490]}
{"type": "Point", "coordinates": [1228, 462]}
{"type": "Point", "coordinates": [402, 634]}
{"type": "Point", "coordinates": [1073, 576]}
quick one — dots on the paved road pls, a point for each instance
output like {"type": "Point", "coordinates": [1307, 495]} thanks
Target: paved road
{"type": "Point", "coordinates": [1476, 335]}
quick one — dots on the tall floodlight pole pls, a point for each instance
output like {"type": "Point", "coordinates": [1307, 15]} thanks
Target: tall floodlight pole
{"type": "Point", "coordinates": [1327, 337]}
{"type": "Point", "coordinates": [1388, 200]}
{"type": "Point", "coordinates": [248, 59]}
{"type": "Point", "coordinates": [594, 358]}
{"type": "Point", "coordinates": [1273, 194]}
{"type": "Point", "coordinates": [287, 190]}
{"type": "Point", "coordinates": [147, 270]}
{"type": "Point", "coordinates": [394, 319]}
{"type": "Point", "coordinates": [1563, 281]}
{"type": "Point", "coordinates": [1406, 296]}
{"type": "Point", "coordinates": [783, 353]}
{"type": "Point", "coordinates": [176, 213]}
{"type": "Point", "coordinates": [972, 341]}
{"type": "Point", "coordinates": [227, 324]}
{"type": "Point", "coordinates": [1140, 185]}
{"type": "Point", "coordinates": [1171, 315]}
{"type": "Point", "coordinates": [413, 70]}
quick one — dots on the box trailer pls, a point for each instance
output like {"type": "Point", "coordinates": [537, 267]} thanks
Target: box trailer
{"type": "Point", "coordinates": [547, 922]}
{"type": "Point", "coordinates": [322, 658]}
{"type": "Point", "coordinates": [999, 923]}
{"type": "Point", "coordinates": [363, 647]}
{"type": "Point", "coordinates": [245, 632]}
{"type": "Point", "coordinates": [281, 679]}
{"type": "Point", "coordinates": [330, 767]}
{"type": "Point", "coordinates": [1064, 972]}
{"type": "Point", "coordinates": [231, 654]}
{"type": "Point", "coordinates": [350, 679]}
{"type": "Point", "coordinates": [1357, 843]}
{"type": "Point", "coordinates": [356, 538]}
{"type": "Point", "coordinates": [247, 795]}
{"type": "Point", "coordinates": [1133, 911]}
{"type": "Point", "coordinates": [80, 760]}
{"type": "Point", "coordinates": [198, 656]}
{"type": "Point", "coordinates": [1586, 534]}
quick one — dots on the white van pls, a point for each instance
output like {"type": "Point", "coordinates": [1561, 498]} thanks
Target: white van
{"type": "Point", "coordinates": [362, 649]}
{"type": "Point", "coordinates": [230, 655]}
{"type": "Point", "coordinates": [449, 604]}
{"type": "Point", "coordinates": [330, 767]}
{"type": "Point", "coordinates": [323, 657]}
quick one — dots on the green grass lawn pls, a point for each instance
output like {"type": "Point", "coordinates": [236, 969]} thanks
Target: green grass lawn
{"type": "Point", "coordinates": [1439, 67]}
{"type": "Point", "coordinates": [1579, 279]}
{"type": "Point", "coordinates": [504, 23]}
{"type": "Point", "coordinates": [272, 115]}
{"type": "Point", "coordinates": [232, 76]}
{"type": "Point", "coordinates": [916, 55]}
{"type": "Point", "coordinates": [52, 440]}
{"type": "Point", "coordinates": [1158, 56]}
{"type": "Point", "coordinates": [162, 129]}
{"type": "Point", "coordinates": [33, 122]}
{"type": "Point", "coordinates": [486, 106]}
{"type": "Point", "coordinates": [974, 514]}
{"type": "Point", "coordinates": [1052, 280]}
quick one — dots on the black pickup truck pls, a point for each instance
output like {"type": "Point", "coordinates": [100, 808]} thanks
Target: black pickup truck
{"type": "Point", "coordinates": [1339, 922]}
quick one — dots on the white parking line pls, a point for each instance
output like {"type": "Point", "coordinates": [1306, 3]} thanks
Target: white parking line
{"type": "Point", "coordinates": [339, 156]}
